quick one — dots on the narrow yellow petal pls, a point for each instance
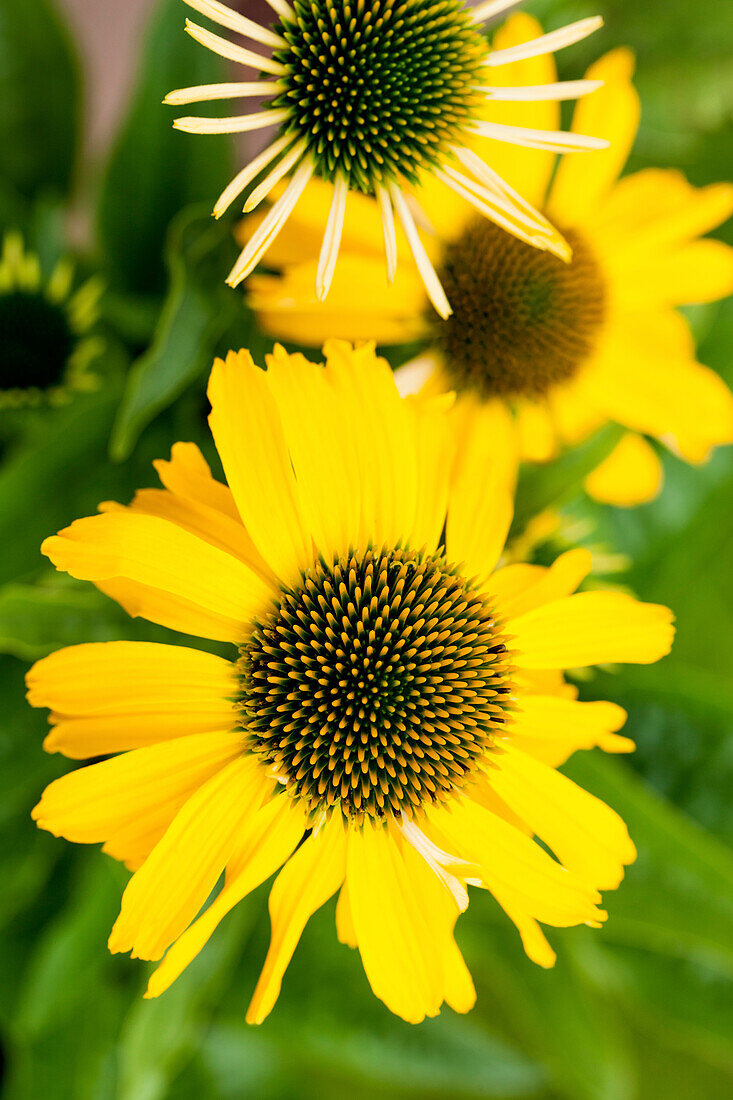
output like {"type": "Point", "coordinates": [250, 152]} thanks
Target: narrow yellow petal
{"type": "Point", "coordinates": [551, 728]}
{"type": "Point", "coordinates": [265, 840]}
{"type": "Point", "coordinates": [164, 896]}
{"type": "Point", "coordinates": [585, 834]}
{"type": "Point", "coordinates": [306, 882]}
{"type": "Point", "coordinates": [400, 962]}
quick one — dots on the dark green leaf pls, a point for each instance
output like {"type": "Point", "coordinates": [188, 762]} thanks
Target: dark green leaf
{"type": "Point", "coordinates": [155, 170]}
{"type": "Point", "coordinates": [39, 92]}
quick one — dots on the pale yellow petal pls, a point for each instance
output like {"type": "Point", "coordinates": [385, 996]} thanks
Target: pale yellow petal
{"type": "Point", "coordinates": [591, 628]}
{"type": "Point", "coordinates": [249, 437]}
{"type": "Point", "coordinates": [700, 271]}
{"type": "Point", "coordinates": [165, 895]}
{"type": "Point", "coordinates": [153, 553]}
{"type": "Point", "coordinates": [632, 474]}
{"type": "Point", "coordinates": [263, 843]}
{"type": "Point", "coordinates": [306, 882]}
{"type": "Point", "coordinates": [527, 170]}
{"type": "Point", "coordinates": [537, 441]}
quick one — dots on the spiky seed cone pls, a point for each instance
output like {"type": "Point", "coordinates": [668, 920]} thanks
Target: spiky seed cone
{"type": "Point", "coordinates": [377, 684]}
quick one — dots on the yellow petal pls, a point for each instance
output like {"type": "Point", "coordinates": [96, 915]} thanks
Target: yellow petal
{"type": "Point", "coordinates": [90, 804]}
{"type": "Point", "coordinates": [287, 306]}
{"type": "Point", "coordinates": [202, 520]}
{"type": "Point", "coordinates": [533, 938]}
{"type": "Point", "coordinates": [632, 474]}
{"type": "Point", "coordinates": [514, 866]}
{"type": "Point", "coordinates": [265, 840]}
{"type": "Point", "coordinates": [320, 450]}
{"type": "Point", "coordinates": [187, 475]}
{"type": "Point", "coordinates": [701, 271]}
{"type": "Point", "coordinates": [591, 628]}
{"type": "Point", "coordinates": [130, 678]}
{"type": "Point", "coordinates": [306, 882]}
{"type": "Point", "coordinates": [394, 939]}
{"type": "Point", "coordinates": [535, 432]}
{"type": "Point", "coordinates": [249, 437]}
{"type": "Point", "coordinates": [435, 441]}
{"type": "Point", "coordinates": [440, 910]}
{"type": "Point", "coordinates": [551, 728]}
{"type": "Point", "coordinates": [164, 896]}
{"type": "Point", "coordinates": [148, 552]}
{"type": "Point", "coordinates": [344, 921]}
{"type": "Point", "coordinates": [585, 834]}
{"type": "Point", "coordinates": [521, 587]}
{"type": "Point", "coordinates": [527, 170]}
{"type": "Point", "coordinates": [480, 506]}
{"type": "Point", "coordinates": [379, 423]}
{"type": "Point", "coordinates": [583, 180]}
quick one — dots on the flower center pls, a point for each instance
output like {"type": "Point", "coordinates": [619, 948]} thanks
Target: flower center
{"type": "Point", "coordinates": [377, 683]}
{"type": "Point", "coordinates": [522, 320]}
{"type": "Point", "coordinates": [36, 341]}
{"type": "Point", "coordinates": [378, 87]}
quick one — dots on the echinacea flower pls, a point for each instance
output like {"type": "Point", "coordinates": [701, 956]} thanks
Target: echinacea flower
{"type": "Point", "coordinates": [545, 351]}
{"type": "Point", "coordinates": [390, 722]}
{"type": "Point", "coordinates": [373, 97]}
{"type": "Point", "coordinates": [46, 347]}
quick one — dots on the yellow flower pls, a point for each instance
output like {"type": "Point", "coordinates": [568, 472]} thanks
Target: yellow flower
{"type": "Point", "coordinates": [46, 348]}
{"type": "Point", "coordinates": [370, 96]}
{"type": "Point", "coordinates": [561, 348]}
{"type": "Point", "coordinates": [391, 720]}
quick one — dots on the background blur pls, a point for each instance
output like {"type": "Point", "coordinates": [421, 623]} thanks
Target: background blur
{"type": "Point", "coordinates": [643, 1009]}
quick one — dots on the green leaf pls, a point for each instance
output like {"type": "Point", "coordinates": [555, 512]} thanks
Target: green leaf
{"type": "Point", "coordinates": [553, 484]}
{"type": "Point", "coordinates": [677, 898]}
{"type": "Point", "coordinates": [36, 620]}
{"type": "Point", "coordinates": [155, 170]}
{"type": "Point", "coordinates": [198, 309]}
{"type": "Point", "coordinates": [39, 92]}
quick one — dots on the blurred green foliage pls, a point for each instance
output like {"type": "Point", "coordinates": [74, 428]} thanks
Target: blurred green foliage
{"type": "Point", "coordinates": [637, 1011]}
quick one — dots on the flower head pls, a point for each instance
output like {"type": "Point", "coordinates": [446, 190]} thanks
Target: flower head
{"type": "Point", "coordinates": [394, 710]}
{"type": "Point", "coordinates": [44, 329]}
{"type": "Point", "coordinates": [555, 348]}
{"type": "Point", "coordinates": [375, 98]}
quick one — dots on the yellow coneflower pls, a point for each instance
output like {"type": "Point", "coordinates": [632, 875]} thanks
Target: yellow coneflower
{"type": "Point", "coordinates": [371, 97]}
{"type": "Point", "coordinates": [46, 347]}
{"type": "Point", "coordinates": [394, 710]}
{"type": "Point", "coordinates": [548, 350]}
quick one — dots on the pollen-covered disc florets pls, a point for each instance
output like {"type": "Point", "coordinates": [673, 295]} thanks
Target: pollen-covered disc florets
{"type": "Point", "coordinates": [378, 88]}
{"type": "Point", "coordinates": [523, 320]}
{"type": "Point", "coordinates": [377, 683]}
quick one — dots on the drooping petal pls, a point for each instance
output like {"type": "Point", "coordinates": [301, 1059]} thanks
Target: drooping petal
{"type": "Point", "coordinates": [632, 474]}
{"type": "Point", "coordinates": [584, 833]}
{"type": "Point", "coordinates": [306, 882]}
{"type": "Point", "coordinates": [167, 892]}
{"type": "Point", "coordinates": [392, 932]}
{"type": "Point", "coordinates": [263, 843]}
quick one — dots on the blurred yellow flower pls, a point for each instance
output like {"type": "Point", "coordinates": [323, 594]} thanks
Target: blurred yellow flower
{"type": "Point", "coordinates": [391, 724]}
{"type": "Point", "coordinates": [370, 95]}
{"type": "Point", "coordinates": [46, 348]}
{"type": "Point", "coordinates": [548, 351]}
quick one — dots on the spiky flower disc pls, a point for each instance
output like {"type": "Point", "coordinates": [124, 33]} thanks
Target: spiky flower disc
{"type": "Point", "coordinates": [372, 95]}
{"type": "Point", "coordinates": [523, 321]}
{"type": "Point", "coordinates": [415, 65]}
{"type": "Point", "coordinates": [376, 684]}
